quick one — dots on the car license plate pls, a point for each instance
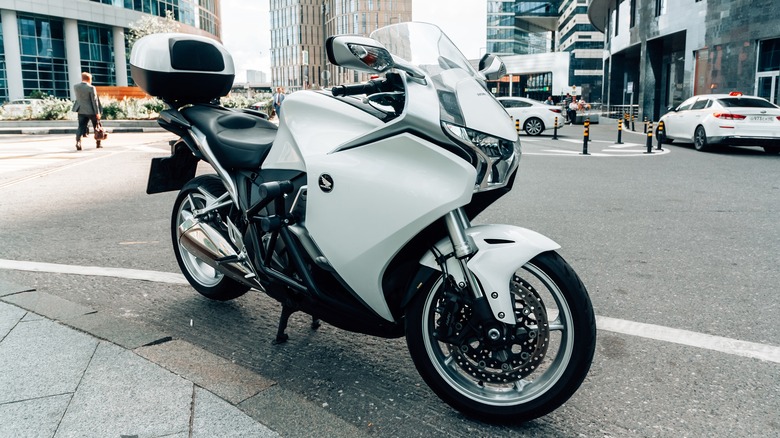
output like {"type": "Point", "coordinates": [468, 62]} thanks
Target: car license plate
{"type": "Point", "coordinates": [761, 118]}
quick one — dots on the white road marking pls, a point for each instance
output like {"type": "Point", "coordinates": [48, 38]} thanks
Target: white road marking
{"type": "Point", "coordinates": [736, 347]}
{"type": "Point", "coordinates": [766, 352]}
{"type": "Point", "coordinates": [97, 271]}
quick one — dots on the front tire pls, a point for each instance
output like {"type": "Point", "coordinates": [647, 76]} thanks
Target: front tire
{"type": "Point", "coordinates": [661, 135]}
{"type": "Point", "coordinates": [533, 126]}
{"type": "Point", "coordinates": [520, 380]}
{"type": "Point", "coordinates": [206, 280]}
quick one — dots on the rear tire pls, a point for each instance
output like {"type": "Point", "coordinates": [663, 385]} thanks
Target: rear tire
{"type": "Point", "coordinates": [700, 140]}
{"type": "Point", "coordinates": [206, 280]}
{"type": "Point", "coordinates": [518, 382]}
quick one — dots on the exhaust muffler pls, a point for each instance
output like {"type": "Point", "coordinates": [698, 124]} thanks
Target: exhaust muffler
{"type": "Point", "coordinates": [207, 244]}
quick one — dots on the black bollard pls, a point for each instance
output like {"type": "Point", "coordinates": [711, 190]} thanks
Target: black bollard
{"type": "Point", "coordinates": [620, 131]}
{"type": "Point", "coordinates": [555, 129]}
{"type": "Point", "coordinates": [585, 136]}
{"type": "Point", "coordinates": [633, 126]}
{"type": "Point", "coordinates": [645, 124]}
{"type": "Point", "coordinates": [659, 136]}
{"type": "Point", "coordinates": [649, 137]}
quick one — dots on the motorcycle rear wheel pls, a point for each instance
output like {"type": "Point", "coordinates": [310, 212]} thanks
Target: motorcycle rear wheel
{"type": "Point", "coordinates": [203, 278]}
{"type": "Point", "coordinates": [549, 300]}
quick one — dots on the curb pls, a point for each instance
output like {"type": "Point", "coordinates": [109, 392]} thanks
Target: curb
{"type": "Point", "coordinates": [260, 398]}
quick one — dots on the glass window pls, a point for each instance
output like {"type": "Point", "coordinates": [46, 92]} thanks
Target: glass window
{"type": "Point", "coordinates": [744, 102]}
{"type": "Point", "coordinates": [769, 55]}
{"type": "Point", "coordinates": [686, 105]}
{"type": "Point", "coordinates": [700, 104]}
{"type": "Point", "coordinates": [96, 46]}
{"type": "Point", "coordinates": [42, 45]}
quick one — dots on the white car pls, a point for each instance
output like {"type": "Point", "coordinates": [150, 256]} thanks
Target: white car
{"type": "Point", "coordinates": [534, 116]}
{"type": "Point", "coordinates": [726, 119]}
{"type": "Point", "coordinates": [21, 108]}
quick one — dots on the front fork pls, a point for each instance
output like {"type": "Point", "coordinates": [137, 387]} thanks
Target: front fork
{"type": "Point", "coordinates": [484, 258]}
{"type": "Point", "coordinates": [464, 247]}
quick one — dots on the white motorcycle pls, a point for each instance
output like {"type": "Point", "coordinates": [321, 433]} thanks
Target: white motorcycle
{"type": "Point", "coordinates": [358, 212]}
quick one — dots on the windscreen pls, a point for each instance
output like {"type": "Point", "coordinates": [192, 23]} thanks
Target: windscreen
{"type": "Point", "coordinates": [425, 46]}
{"type": "Point", "coordinates": [745, 102]}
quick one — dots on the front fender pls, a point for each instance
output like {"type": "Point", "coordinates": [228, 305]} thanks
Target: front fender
{"type": "Point", "coordinates": [503, 249]}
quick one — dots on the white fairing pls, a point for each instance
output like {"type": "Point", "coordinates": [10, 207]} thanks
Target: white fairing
{"type": "Point", "coordinates": [496, 263]}
{"type": "Point", "coordinates": [314, 124]}
{"type": "Point", "coordinates": [380, 200]}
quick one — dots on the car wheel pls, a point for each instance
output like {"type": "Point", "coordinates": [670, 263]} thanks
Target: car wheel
{"type": "Point", "coordinates": [661, 135]}
{"type": "Point", "coordinates": [533, 126]}
{"type": "Point", "coordinates": [700, 139]}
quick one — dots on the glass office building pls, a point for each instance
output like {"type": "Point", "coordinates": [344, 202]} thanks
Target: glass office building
{"type": "Point", "coordinates": [299, 29]}
{"type": "Point", "coordinates": [661, 52]}
{"type": "Point", "coordinates": [46, 44]}
{"type": "Point", "coordinates": [532, 27]}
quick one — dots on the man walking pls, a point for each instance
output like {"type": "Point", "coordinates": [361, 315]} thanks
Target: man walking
{"type": "Point", "coordinates": [87, 106]}
{"type": "Point", "coordinates": [278, 99]}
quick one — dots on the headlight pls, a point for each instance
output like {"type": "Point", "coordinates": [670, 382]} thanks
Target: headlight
{"type": "Point", "coordinates": [498, 157]}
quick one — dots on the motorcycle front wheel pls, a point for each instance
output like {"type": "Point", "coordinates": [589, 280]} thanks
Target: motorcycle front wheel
{"type": "Point", "coordinates": [205, 279]}
{"type": "Point", "coordinates": [537, 367]}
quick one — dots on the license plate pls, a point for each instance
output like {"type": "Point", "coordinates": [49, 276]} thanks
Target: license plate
{"type": "Point", "coordinates": [761, 118]}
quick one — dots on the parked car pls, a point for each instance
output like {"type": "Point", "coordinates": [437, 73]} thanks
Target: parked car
{"type": "Point", "coordinates": [723, 119]}
{"type": "Point", "coordinates": [21, 108]}
{"type": "Point", "coordinates": [259, 109]}
{"type": "Point", "coordinates": [535, 117]}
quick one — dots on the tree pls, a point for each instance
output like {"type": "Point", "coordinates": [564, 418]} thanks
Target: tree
{"type": "Point", "coordinates": [149, 25]}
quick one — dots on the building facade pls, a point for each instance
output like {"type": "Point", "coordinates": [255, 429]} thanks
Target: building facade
{"type": "Point", "coordinates": [299, 29]}
{"type": "Point", "coordinates": [521, 27]}
{"type": "Point", "coordinates": [532, 28]}
{"type": "Point", "coordinates": [585, 44]}
{"type": "Point", "coordinates": [660, 52]}
{"type": "Point", "coordinates": [46, 44]}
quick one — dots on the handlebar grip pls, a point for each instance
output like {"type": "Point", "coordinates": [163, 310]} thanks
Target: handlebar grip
{"type": "Point", "coordinates": [349, 90]}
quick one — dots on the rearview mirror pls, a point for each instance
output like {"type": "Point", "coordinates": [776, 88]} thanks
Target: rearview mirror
{"type": "Point", "coordinates": [492, 67]}
{"type": "Point", "coordinates": [358, 53]}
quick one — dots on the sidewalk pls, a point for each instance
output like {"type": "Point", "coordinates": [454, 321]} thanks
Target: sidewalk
{"type": "Point", "coordinates": [67, 370]}
{"type": "Point", "coordinates": [43, 127]}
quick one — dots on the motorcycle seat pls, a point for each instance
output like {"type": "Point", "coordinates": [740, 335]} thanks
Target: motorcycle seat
{"type": "Point", "coordinates": [238, 140]}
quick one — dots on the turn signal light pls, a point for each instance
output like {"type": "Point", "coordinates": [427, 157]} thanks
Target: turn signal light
{"type": "Point", "coordinates": [729, 116]}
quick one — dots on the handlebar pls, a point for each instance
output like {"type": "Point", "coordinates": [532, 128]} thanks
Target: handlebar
{"type": "Point", "coordinates": [370, 87]}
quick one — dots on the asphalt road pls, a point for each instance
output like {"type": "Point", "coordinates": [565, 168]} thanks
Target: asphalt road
{"type": "Point", "coordinates": [679, 251]}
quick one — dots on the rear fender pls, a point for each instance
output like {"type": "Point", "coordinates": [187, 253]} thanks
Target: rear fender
{"type": "Point", "coordinates": [503, 249]}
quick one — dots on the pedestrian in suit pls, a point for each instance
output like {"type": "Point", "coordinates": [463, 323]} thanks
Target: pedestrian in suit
{"type": "Point", "coordinates": [87, 106]}
{"type": "Point", "coordinates": [278, 99]}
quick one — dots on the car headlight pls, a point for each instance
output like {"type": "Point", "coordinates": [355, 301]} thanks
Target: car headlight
{"type": "Point", "coordinates": [498, 157]}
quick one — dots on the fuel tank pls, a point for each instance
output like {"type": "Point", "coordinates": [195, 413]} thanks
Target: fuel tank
{"type": "Point", "coordinates": [315, 123]}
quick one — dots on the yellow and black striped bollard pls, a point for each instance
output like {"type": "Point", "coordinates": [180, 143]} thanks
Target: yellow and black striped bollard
{"type": "Point", "coordinates": [585, 136]}
{"type": "Point", "coordinates": [620, 131]}
{"type": "Point", "coordinates": [649, 137]}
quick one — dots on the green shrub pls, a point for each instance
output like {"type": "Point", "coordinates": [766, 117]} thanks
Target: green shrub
{"type": "Point", "coordinates": [154, 105]}
{"type": "Point", "coordinates": [235, 101]}
{"type": "Point", "coordinates": [53, 108]}
{"type": "Point", "coordinates": [112, 110]}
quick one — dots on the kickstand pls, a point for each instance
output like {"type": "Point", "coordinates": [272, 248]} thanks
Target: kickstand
{"type": "Point", "coordinates": [281, 337]}
{"type": "Point", "coordinates": [315, 322]}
